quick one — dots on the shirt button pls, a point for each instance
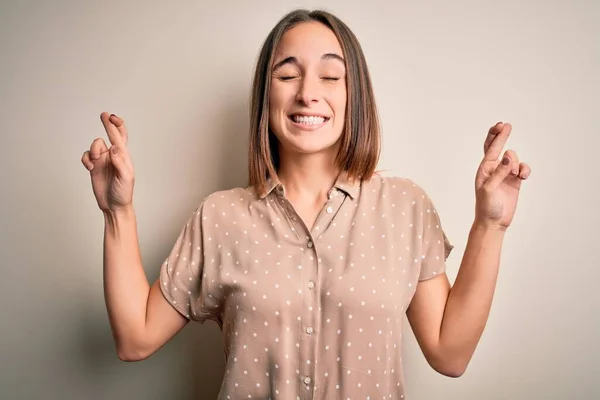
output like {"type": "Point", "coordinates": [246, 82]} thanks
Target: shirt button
{"type": "Point", "coordinates": [310, 244]}
{"type": "Point", "coordinates": [329, 210]}
{"type": "Point", "coordinates": [309, 330]}
{"type": "Point", "coordinates": [307, 380]}
{"type": "Point", "coordinates": [311, 284]}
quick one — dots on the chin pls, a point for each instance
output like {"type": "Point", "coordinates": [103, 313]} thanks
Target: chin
{"type": "Point", "coordinates": [311, 145]}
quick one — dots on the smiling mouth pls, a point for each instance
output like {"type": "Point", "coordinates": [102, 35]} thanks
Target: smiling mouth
{"type": "Point", "coordinates": [308, 120]}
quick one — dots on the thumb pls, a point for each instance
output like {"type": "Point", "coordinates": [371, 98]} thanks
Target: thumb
{"type": "Point", "coordinates": [118, 161]}
{"type": "Point", "coordinates": [500, 173]}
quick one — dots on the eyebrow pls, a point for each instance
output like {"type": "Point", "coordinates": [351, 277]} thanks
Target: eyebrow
{"type": "Point", "coordinates": [294, 60]}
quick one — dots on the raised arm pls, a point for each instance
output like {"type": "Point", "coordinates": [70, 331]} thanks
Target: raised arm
{"type": "Point", "coordinates": [449, 321]}
{"type": "Point", "coordinates": [140, 317]}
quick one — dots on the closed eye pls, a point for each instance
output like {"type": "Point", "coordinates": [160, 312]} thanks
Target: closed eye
{"type": "Point", "coordinates": [327, 78]}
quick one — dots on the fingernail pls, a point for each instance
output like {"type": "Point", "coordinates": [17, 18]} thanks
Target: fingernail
{"type": "Point", "coordinates": [505, 161]}
{"type": "Point", "coordinates": [112, 115]}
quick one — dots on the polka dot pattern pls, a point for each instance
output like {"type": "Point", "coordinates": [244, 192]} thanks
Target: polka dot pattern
{"type": "Point", "coordinates": [308, 314]}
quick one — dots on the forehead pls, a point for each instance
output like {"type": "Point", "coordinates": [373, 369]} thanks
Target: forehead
{"type": "Point", "coordinates": [308, 40]}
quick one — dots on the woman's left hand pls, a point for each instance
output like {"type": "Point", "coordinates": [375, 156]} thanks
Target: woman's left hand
{"type": "Point", "coordinates": [498, 182]}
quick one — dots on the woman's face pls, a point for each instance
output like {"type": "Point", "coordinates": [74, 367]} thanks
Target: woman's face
{"type": "Point", "coordinates": [307, 101]}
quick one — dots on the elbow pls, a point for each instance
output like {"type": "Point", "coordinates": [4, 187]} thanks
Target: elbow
{"type": "Point", "coordinates": [130, 356]}
{"type": "Point", "coordinates": [132, 353]}
{"type": "Point", "coordinates": [451, 371]}
{"type": "Point", "coordinates": [450, 367]}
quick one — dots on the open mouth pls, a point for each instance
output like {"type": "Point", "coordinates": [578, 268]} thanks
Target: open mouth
{"type": "Point", "coordinates": [305, 120]}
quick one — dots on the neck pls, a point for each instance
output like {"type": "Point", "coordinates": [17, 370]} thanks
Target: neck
{"type": "Point", "coordinates": [307, 178]}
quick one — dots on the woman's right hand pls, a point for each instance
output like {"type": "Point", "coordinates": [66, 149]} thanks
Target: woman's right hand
{"type": "Point", "coordinates": [111, 169]}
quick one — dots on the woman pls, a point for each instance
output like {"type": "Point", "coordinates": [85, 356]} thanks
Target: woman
{"type": "Point", "coordinates": [309, 270]}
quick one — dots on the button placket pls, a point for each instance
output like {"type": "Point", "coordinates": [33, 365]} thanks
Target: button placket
{"type": "Point", "coordinates": [327, 214]}
{"type": "Point", "coordinates": [309, 278]}
{"type": "Point", "coordinates": [307, 272]}
{"type": "Point", "coordinates": [294, 221]}
{"type": "Point", "coordinates": [310, 300]}
{"type": "Point", "coordinates": [313, 323]}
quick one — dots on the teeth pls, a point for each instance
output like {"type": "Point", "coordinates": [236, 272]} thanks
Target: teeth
{"type": "Point", "coordinates": [308, 120]}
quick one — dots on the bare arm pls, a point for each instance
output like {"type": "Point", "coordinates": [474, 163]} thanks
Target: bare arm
{"type": "Point", "coordinates": [140, 317]}
{"type": "Point", "coordinates": [448, 322]}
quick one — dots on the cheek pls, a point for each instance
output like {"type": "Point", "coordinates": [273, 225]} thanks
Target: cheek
{"type": "Point", "coordinates": [272, 100]}
{"type": "Point", "coordinates": [340, 102]}
{"type": "Point", "coordinates": [274, 108]}
{"type": "Point", "coordinates": [277, 97]}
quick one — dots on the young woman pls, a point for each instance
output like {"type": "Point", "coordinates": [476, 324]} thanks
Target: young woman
{"type": "Point", "coordinates": [309, 270]}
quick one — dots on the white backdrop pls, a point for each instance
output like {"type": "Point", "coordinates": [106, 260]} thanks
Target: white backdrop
{"type": "Point", "coordinates": [179, 73]}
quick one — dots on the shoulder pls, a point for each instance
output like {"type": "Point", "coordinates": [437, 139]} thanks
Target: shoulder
{"type": "Point", "coordinates": [225, 203]}
{"type": "Point", "coordinates": [226, 197]}
{"type": "Point", "coordinates": [393, 186]}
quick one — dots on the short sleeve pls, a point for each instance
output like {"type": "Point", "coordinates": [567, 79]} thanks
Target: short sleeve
{"type": "Point", "coordinates": [435, 244]}
{"type": "Point", "coordinates": [181, 272]}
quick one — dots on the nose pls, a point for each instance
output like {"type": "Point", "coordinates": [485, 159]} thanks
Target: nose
{"type": "Point", "coordinates": [308, 91]}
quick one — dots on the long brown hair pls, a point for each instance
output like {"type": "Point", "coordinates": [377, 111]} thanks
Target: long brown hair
{"type": "Point", "coordinates": [360, 141]}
